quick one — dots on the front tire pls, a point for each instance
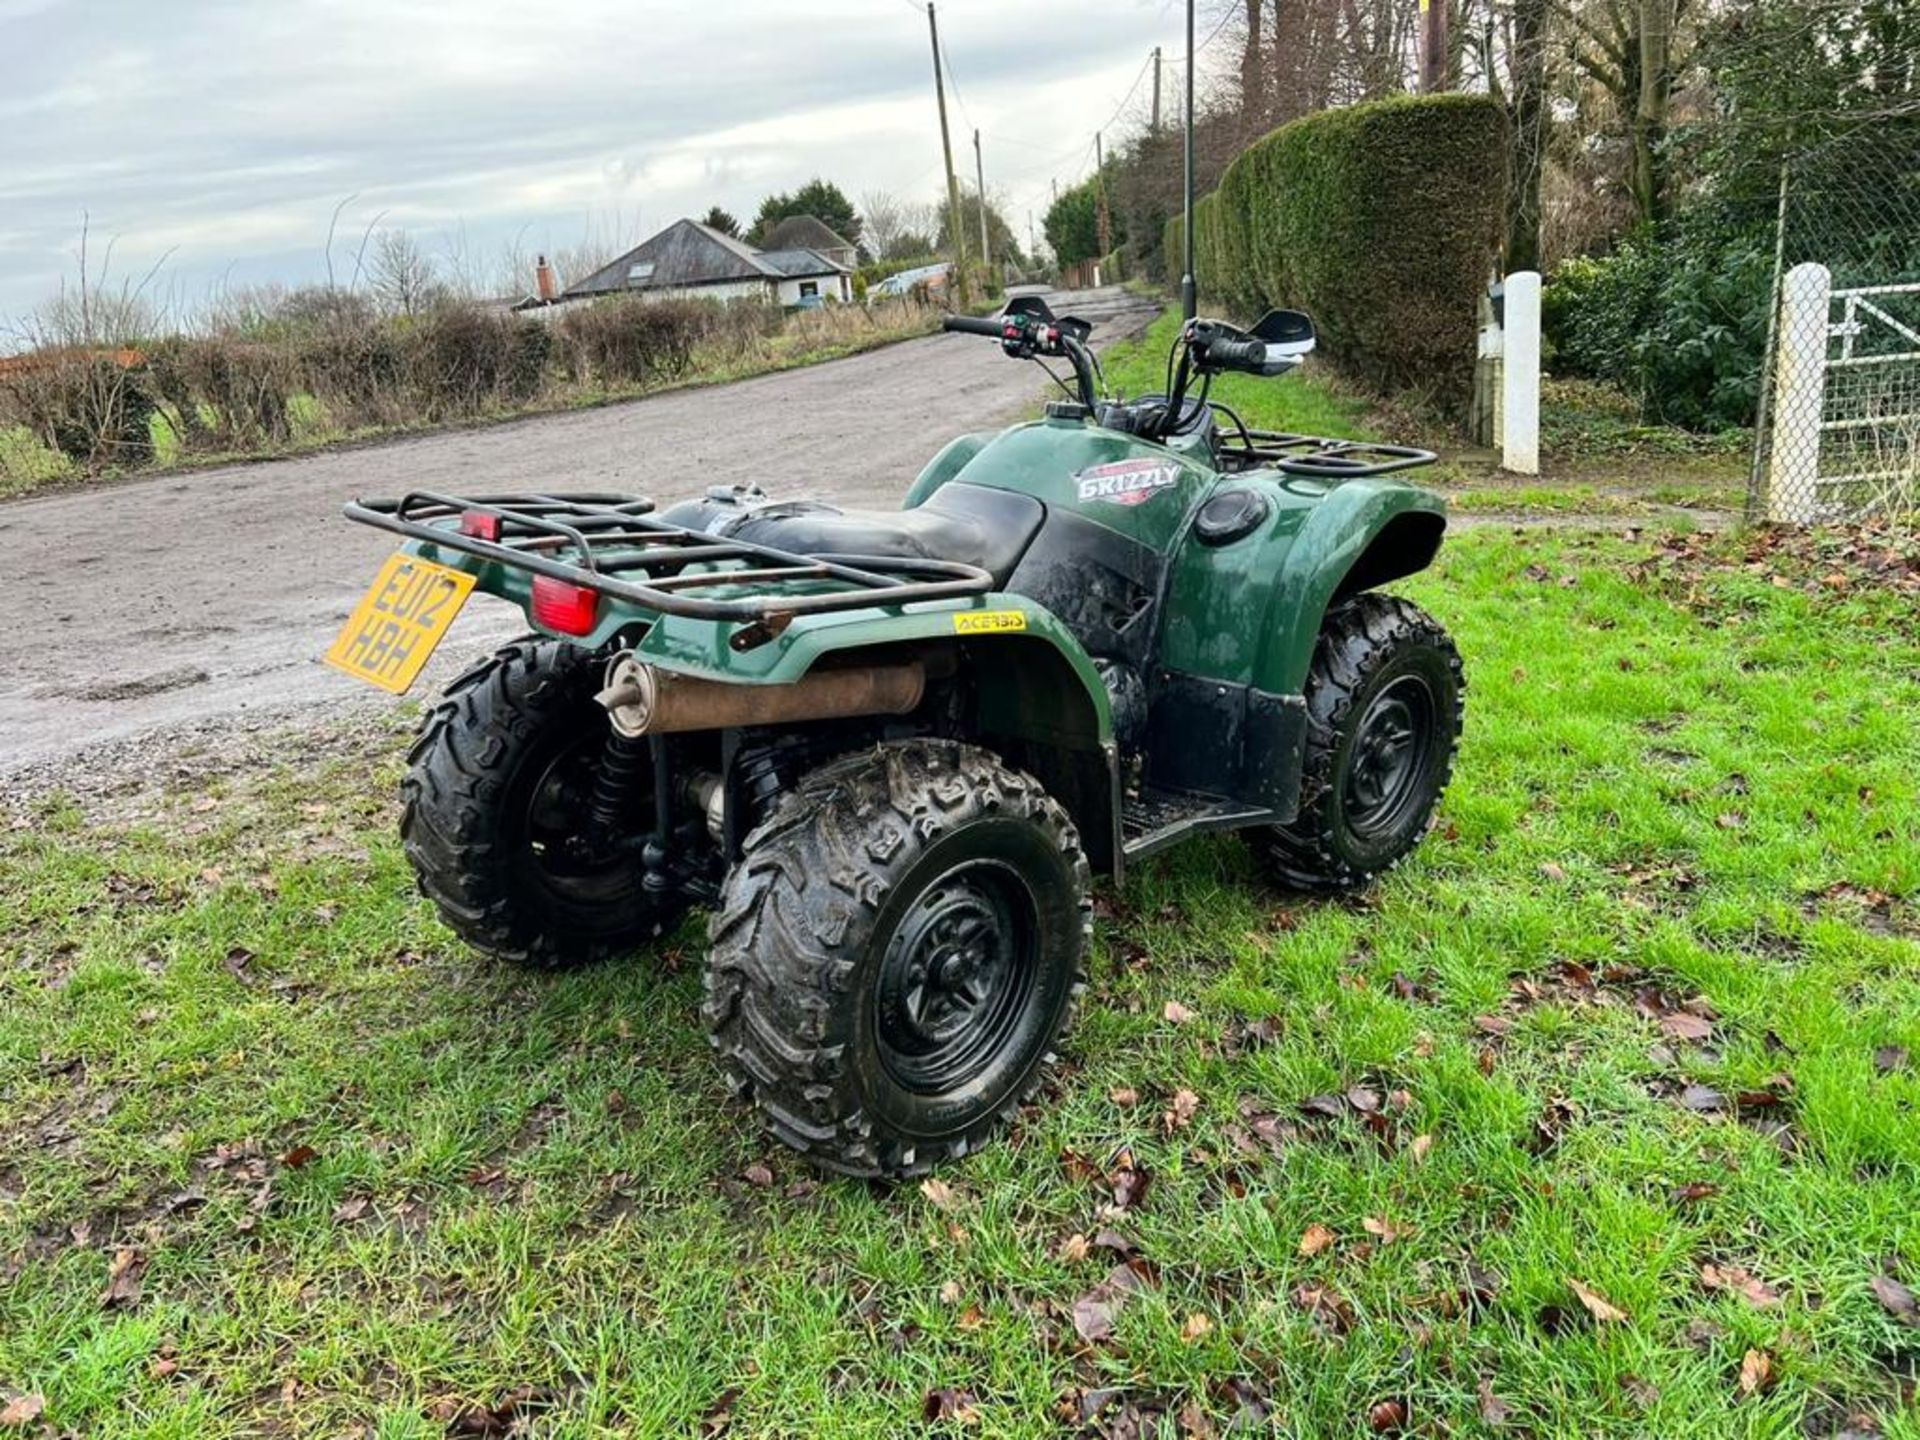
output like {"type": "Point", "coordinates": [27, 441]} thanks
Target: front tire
{"type": "Point", "coordinates": [1384, 700]}
{"type": "Point", "coordinates": [896, 953]}
{"type": "Point", "coordinates": [493, 813]}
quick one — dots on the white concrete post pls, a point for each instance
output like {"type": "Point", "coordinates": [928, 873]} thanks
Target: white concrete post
{"type": "Point", "coordinates": [1799, 395]}
{"type": "Point", "coordinates": [1520, 375]}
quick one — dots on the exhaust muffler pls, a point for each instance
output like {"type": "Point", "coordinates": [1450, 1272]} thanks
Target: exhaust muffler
{"type": "Point", "coordinates": [642, 699]}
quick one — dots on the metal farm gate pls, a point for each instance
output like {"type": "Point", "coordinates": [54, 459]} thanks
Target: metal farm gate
{"type": "Point", "coordinates": [1838, 436]}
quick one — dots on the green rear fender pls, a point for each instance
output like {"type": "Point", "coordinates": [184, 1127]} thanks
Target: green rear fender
{"type": "Point", "coordinates": [999, 637]}
{"type": "Point", "coordinates": [1363, 534]}
{"type": "Point", "coordinates": [1027, 689]}
{"type": "Point", "coordinates": [952, 458]}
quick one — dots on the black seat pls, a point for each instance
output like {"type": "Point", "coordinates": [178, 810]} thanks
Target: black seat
{"type": "Point", "coordinates": [973, 524]}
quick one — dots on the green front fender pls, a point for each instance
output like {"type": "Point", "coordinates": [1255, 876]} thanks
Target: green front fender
{"type": "Point", "coordinates": [1361, 534]}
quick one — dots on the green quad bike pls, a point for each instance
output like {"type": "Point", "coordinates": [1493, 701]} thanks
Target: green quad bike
{"type": "Point", "coordinates": [891, 749]}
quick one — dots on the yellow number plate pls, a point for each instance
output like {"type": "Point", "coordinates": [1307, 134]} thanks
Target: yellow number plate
{"type": "Point", "coordinates": [399, 621]}
{"type": "Point", "coordinates": [988, 622]}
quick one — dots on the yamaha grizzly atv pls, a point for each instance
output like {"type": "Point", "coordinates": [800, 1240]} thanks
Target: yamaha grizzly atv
{"type": "Point", "coordinates": [891, 749]}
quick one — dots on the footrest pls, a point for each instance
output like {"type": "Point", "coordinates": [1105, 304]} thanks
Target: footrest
{"type": "Point", "coordinates": [1152, 819]}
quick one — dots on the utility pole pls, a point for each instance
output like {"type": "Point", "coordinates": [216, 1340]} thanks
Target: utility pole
{"type": "Point", "coordinates": [1100, 189]}
{"type": "Point", "coordinates": [1033, 245]}
{"type": "Point", "coordinates": [1433, 46]}
{"type": "Point", "coordinates": [955, 232]}
{"type": "Point", "coordinates": [1156, 90]}
{"type": "Point", "coordinates": [980, 178]}
{"type": "Point", "coordinates": [1189, 294]}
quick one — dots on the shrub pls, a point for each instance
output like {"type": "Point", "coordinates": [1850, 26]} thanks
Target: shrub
{"type": "Point", "coordinates": [631, 341]}
{"type": "Point", "coordinates": [226, 394]}
{"type": "Point", "coordinates": [96, 409]}
{"type": "Point", "coordinates": [466, 360]}
{"type": "Point", "coordinates": [357, 371]}
{"type": "Point", "coordinates": [1380, 220]}
{"type": "Point", "coordinates": [1679, 323]}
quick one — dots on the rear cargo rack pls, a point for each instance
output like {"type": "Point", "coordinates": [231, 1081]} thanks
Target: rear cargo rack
{"type": "Point", "coordinates": [612, 544]}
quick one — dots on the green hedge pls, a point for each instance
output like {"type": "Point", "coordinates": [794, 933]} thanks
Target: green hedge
{"type": "Point", "coordinates": [1381, 220]}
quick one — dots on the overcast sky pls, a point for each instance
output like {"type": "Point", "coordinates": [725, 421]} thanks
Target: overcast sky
{"type": "Point", "coordinates": [221, 134]}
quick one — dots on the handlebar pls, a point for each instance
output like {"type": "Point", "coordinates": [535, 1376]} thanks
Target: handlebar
{"type": "Point", "coordinates": [972, 325]}
{"type": "Point", "coordinates": [1248, 354]}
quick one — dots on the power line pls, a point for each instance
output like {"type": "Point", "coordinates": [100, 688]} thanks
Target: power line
{"type": "Point", "coordinates": [1139, 75]}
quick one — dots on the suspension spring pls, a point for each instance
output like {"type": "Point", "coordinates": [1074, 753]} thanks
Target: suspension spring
{"type": "Point", "coordinates": [618, 782]}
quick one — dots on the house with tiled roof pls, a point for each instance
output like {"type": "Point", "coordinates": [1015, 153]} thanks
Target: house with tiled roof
{"type": "Point", "coordinates": [688, 260]}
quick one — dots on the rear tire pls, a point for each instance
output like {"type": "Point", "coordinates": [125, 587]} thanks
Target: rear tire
{"type": "Point", "coordinates": [493, 802]}
{"type": "Point", "coordinates": [896, 953]}
{"type": "Point", "coordinates": [1384, 699]}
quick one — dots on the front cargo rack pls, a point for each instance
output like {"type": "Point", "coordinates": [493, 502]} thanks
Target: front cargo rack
{"type": "Point", "coordinates": [1315, 456]}
{"type": "Point", "coordinates": [611, 544]}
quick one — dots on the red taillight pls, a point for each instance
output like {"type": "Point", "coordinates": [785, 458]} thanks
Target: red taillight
{"type": "Point", "coordinates": [480, 524]}
{"type": "Point", "coordinates": [569, 609]}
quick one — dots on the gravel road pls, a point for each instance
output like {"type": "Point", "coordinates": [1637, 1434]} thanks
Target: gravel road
{"type": "Point", "coordinates": [202, 600]}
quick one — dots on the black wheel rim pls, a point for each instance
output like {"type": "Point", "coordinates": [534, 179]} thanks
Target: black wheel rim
{"type": "Point", "coordinates": [557, 855]}
{"type": "Point", "coordinates": [1387, 767]}
{"type": "Point", "coordinates": [957, 977]}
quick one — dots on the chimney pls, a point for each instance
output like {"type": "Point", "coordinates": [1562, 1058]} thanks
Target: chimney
{"type": "Point", "coordinates": [546, 283]}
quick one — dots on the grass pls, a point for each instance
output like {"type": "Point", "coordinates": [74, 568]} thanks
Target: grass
{"type": "Point", "coordinates": [379, 1188]}
{"type": "Point", "coordinates": [26, 464]}
{"type": "Point", "coordinates": [1306, 402]}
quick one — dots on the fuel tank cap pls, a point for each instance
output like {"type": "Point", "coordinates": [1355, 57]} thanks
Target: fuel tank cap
{"type": "Point", "coordinates": [1229, 514]}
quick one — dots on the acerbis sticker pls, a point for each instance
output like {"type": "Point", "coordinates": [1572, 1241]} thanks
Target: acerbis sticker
{"type": "Point", "coordinates": [1127, 482]}
{"type": "Point", "coordinates": [988, 622]}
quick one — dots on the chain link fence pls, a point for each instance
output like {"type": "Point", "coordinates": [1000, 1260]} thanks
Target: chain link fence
{"type": "Point", "coordinates": [1837, 435]}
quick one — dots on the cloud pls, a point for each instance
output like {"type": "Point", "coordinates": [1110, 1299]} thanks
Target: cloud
{"type": "Point", "coordinates": [227, 132]}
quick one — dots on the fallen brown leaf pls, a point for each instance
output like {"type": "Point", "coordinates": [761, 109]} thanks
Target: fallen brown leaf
{"type": "Point", "coordinates": [1418, 1148]}
{"type": "Point", "coordinates": [1125, 1096]}
{"type": "Point", "coordinates": [1598, 1306]}
{"type": "Point", "coordinates": [719, 1415]}
{"type": "Point", "coordinates": [351, 1208]}
{"type": "Point", "coordinates": [1684, 1025]}
{"type": "Point", "coordinates": [1181, 1112]}
{"type": "Point", "coordinates": [124, 1278]}
{"type": "Point", "coordinates": [1493, 1410]}
{"type": "Point", "coordinates": [1073, 1249]}
{"type": "Point", "coordinates": [1176, 1013]}
{"type": "Point", "coordinates": [1093, 1317]}
{"type": "Point", "coordinates": [1749, 1287]}
{"type": "Point", "coordinates": [21, 1411]}
{"type": "Point", "coordinates": [938, 1192]}
{"type": "Point", "coordinates": [1197, 1326]}
{"type": "Point", "coordinates": [1129, 1180]}
{"type": "Point", "coordinates": [1383, 1230]}
{"type": "Point", "coordinates": [1756, 1372]}
{"type": "Point", "coordinates": [1317, 1238]}
{"type": "Point", "coordinates": [760, 1175]}
{"type": "Point", "coordinates": [1703, 1099]}
{"type": "Point", "coordinates": [299, 1155]}
{"type": "Point", "coordinates": [948, 1403]}
{"type": "Point", "coordinates": [1896, 1299]}
{"type": "Point", "coordinates": [1643, 1393]}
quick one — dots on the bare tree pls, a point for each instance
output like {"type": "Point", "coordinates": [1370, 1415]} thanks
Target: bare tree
{"type": "Point", "coordinates": [883, 220]}
{"type": "Point", "coordinates": [1510, 52]}
{"type": "Point", "coordinates": [402, 275]}
{"type": "Point", "coordinates": [1636, 50]}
